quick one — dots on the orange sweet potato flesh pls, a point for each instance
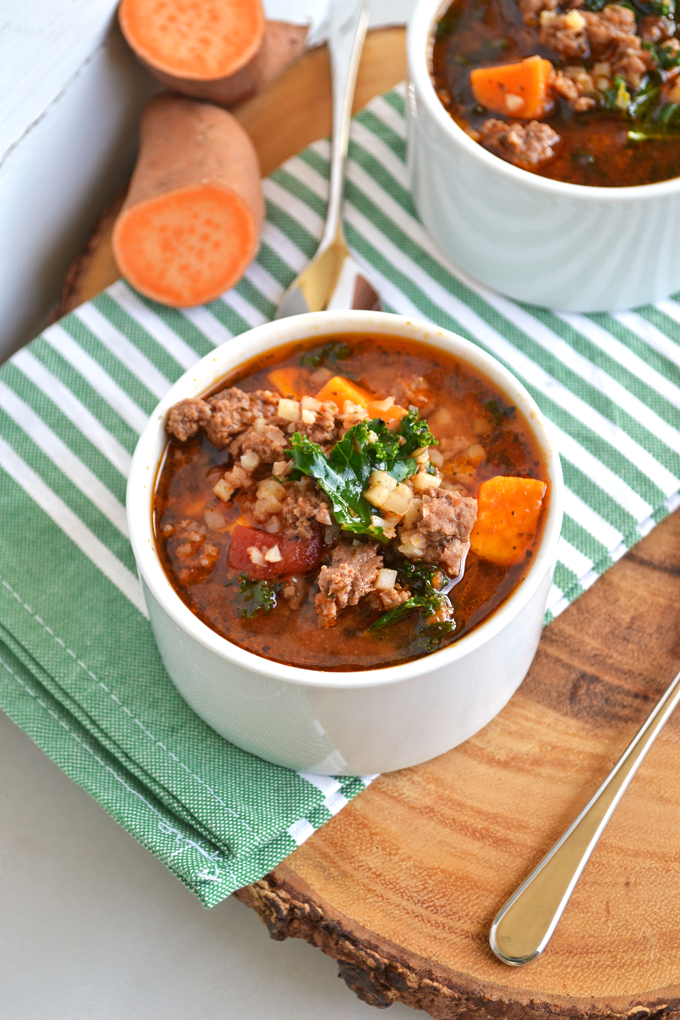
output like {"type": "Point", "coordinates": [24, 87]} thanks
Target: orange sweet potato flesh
{"type": "Point", "coordinates": [282, 45]}
{"type": "Point", "coordinates": [508, 511]}
{"type": "Point", "coordinates": [338, 389]}
{"type": "Point", "coordinates": [191, 221]}
{"type": "Point", "coordinates": [390, 415]}
{"type": "Point", "coordinates": [197, 39]}
{"type": "Point", "coordinates": [517, 90]}
{"type": "Point", "coordinates": [289, 382]}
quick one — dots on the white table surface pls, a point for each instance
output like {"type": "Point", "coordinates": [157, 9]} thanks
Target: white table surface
{"type": "Point", "coordinates": [93, 927]}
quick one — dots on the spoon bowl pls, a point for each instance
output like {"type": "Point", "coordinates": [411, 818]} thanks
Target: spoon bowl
{"type": "Point", "coordinates": [334, 280]}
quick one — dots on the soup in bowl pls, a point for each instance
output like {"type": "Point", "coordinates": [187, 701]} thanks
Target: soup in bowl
{"type": "Point", "coordinates": [543, 147]}
{"type": "Point", "coordinates": [346, 525]}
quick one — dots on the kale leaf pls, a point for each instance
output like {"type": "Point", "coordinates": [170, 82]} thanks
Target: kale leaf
{"type": "Point", "coordinates": [399, 612]}
{"type": "Point", "coordinates": [499, 412]}
{"type": "Point", "coordinates": [344, 474]}
{"type": "Point", "coordinates": [665, 57]}
{"type": "Point", "coordinates": [425, 597]}
{"type": "Point", "coordinates": [332, 350]}
{"type": "Point", "coordinates": [618, 96]}
{"type": "Point", "coordinates": [414, 432]}
{"type": "Point", "coordinates": [257, 596]}
{"type": "Point", "coordinates": [662, 8]}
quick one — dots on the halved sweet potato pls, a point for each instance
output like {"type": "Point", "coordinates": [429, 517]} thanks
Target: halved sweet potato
{"type": "Point", "coordinates": [282, 44]}
{"type": "Point", "coordinates": [191, 222]}
{"type": "Point", "coordinates": [198, 39]}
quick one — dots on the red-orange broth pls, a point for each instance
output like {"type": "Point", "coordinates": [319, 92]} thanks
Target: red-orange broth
{"type": "Point", "coordinates": [456, 401]}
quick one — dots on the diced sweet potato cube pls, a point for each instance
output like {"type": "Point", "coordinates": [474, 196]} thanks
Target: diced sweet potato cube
{"type": "Point", "coordinates": [508, 511]}
{"type": "Point", "coordinates": [289, 382]}
{"type": "Point", "coordinates": [519, 90]}
{"type": "Point", "coordinates": [390, 415]}
{"type": "Point", "coordinates": [338, 389]}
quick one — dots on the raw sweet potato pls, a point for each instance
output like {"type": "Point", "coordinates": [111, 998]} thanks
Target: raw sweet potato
{"type": "Point", "coordinates": [508, 510]}
{"type": "Point", "coordinates": [282, 45]}
{"type": "Point", "coordinates": [200, 39]}
{"type": "Point", "coordinates": [220, 50]}
{"type": "Point", "coordinates": [517, 90]}
{"type": "Point", "coordinates": [191, 222]}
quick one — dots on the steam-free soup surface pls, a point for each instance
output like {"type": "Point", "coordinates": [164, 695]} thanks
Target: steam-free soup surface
{"type": "Point", "coordinates": [283, 586]}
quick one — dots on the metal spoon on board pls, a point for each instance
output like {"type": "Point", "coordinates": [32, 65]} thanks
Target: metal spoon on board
{"type": "Point", "coordinates": [334, 279]}
{"type": "Point", "coordinates": [524, 926]}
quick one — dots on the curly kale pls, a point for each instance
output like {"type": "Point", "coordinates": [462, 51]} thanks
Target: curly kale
{"type": "Point", "coordinates": [344, 473]}
{"type": "Point", "coordinates": [332, 351]}
{"type": "Point", "coordinates": [426, 597]}
{"type": "Point", "coordinates": [257, 596]}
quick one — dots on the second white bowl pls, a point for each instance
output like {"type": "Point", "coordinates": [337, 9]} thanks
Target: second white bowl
{"type": "Point", "coordinates": [562, 246]}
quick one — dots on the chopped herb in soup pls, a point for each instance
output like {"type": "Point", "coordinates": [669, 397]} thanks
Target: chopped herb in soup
{"type": "Point", "coordinates": [578, 90]}
{"type": "Point", "coordinates": [348, 504]}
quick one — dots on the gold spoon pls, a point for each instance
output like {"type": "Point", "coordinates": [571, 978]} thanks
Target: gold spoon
{"type": "Point", "coordinates": [524, 926]}
{"type": "Point", "coordinates": [334, 279]}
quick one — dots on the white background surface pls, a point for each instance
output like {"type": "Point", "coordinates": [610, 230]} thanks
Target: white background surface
{"type": "Point", "coordinates": [95, 928]}
{"type": "Point", "coordinates": [92, 926]}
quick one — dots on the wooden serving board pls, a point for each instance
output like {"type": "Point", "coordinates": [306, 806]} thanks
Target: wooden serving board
{"type": "Point", "coordinates": [401, 886]}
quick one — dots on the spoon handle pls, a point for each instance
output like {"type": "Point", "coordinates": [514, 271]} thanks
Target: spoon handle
{"type": "Point", "coordinates": [524, 926]}
{"type": "Point", "coordinates": [347, 31]}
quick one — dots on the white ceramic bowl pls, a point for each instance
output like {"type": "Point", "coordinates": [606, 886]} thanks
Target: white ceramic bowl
{"type": "Point", "coordinates": [356, 723]}
{"type": "Point", "coordinates": [562, 246]}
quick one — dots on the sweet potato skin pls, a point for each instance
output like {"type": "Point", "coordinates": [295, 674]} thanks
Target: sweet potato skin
{"type": "Point", "coordinates": [283, 44]}
{"type": "Point", "coordinates": [190, 148]}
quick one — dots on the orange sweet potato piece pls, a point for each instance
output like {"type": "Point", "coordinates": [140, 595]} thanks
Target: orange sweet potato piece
{"type": "Point", "coordinates": [289, 382]}
{"type": "Point", "coordinates": [338, 389]}
{"type": "Point", "coordinates": [392, 414]}
{"type": "Point", "coordinates": [508, 510]}
{"type": "Point", "coordinates": [282, 44]}
{"type": "Point", "coordinates": [517, 90]}
{"type": "Point", "coordinates": [198, 39]}
{"type": "Point", "coordinates": [191, 221]}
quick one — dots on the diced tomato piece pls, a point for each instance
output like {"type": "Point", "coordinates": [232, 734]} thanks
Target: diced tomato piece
{"type": "Point", "coordinates": [298, 556]}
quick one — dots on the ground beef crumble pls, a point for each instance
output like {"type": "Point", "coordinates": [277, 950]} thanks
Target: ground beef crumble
{"type": "Point", "coordinates": [300, 512]}
{"type": "Point", "coordinates": [564, 33]}
{"type": "Point", "coordinates": [323, 430]}
{"type": "Point", "coordinates": [351, 575]}
{"type": "Point", "coordinates": [522, 144]}
{"type": "Point", "coordinates": [656, 28]}
{"type": "Point", "coordinates": [445, 522]}
{"type": "Point", "coordinates": [187, 418]}
{"type": "Point", "coordinates": [577, 87]}
{"type": "Point", "coordinates": [611, 34]}
{"type": "Point", "coordinates": [267, 441]}
{"type": "Point", "coordinates": [198, 556]}
{"type": "Point", "coordinates": [221, 417]}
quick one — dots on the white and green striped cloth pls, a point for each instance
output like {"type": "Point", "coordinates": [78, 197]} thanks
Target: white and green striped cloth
{"type": "Point", "coordinates": [79, 670]}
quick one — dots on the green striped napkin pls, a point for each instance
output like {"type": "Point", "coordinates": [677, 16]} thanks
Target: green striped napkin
{"type": "Point", "coordinates": [79, 669]}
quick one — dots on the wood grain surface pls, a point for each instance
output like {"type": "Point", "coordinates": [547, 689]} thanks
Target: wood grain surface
{"type": "Point", "coordinates": [401, 886]}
